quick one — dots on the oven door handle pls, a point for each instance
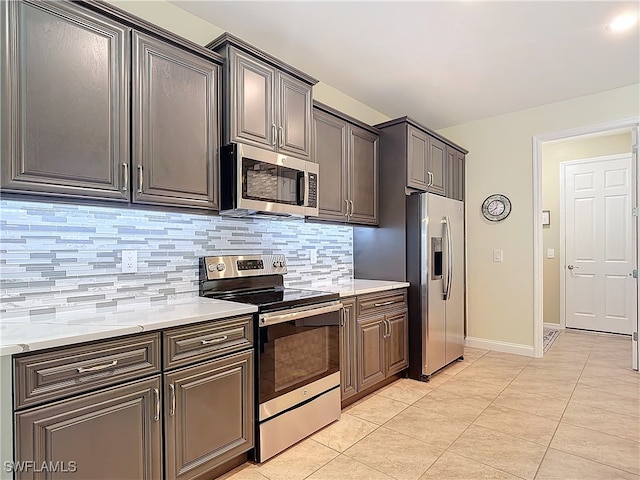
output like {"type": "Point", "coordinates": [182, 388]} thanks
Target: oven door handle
{"type": "Point", "coordinates": [267, 319]}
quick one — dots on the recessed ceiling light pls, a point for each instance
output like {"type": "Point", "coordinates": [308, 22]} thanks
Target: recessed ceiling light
{"type": "Point", "coordinates": [623, 22]}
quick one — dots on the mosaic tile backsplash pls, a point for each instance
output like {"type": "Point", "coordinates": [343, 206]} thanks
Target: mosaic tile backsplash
{"type": "Point", "coordinates": [55, 256]}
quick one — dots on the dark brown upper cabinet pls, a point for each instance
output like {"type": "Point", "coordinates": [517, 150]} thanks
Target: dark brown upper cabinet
{"type": "Point", "coordinates": [431, 162]}
{"type": "Point", "coordinates": [175, 125]}
{"type": "Point", "coordinates": [64, 106]}
{"type": "Point", "coordinates": [267, 103]}
{"type": "Point", "coordinates": [87, 80]}
{"type": "Point", "coordinates": [455, 174]}
{"type": "Point", "coordinates": [347, 153]}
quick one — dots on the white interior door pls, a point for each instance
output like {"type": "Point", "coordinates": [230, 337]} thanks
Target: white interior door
{"type": "Point", "coordinates": [599, 255]}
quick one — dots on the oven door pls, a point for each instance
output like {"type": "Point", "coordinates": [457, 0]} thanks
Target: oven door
{"type": "Point", "coordinates": [299, 356]}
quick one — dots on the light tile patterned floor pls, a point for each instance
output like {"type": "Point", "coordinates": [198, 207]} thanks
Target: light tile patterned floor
{"type": "Point", "coordinates": [574, 414]}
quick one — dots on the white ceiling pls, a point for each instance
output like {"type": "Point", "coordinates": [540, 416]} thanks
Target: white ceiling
{"type": "Point", "coordinates": [442, 63]}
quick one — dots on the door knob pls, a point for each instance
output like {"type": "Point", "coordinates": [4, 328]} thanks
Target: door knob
{"type": "Point", "coordinates": [571, 267]}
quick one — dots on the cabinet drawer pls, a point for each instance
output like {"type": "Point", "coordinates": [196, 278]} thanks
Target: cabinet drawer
{"type": "Point", "coordinates": [200, 342]}
{"type": "Point", "coordinates": [68, 371]}
{"type": "Point", "coordinates": [381, 302]}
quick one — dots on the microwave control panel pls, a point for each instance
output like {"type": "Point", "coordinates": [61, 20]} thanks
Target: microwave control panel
{"type": "Point", "coordinates": [313, 190]}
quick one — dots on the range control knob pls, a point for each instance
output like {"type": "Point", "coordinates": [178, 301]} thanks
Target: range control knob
{"type": "Point", "coordinates": [277, 264]}
{"type": "Point", "coordinates": [211, 267]}
{"type": "Point", "coordinates": [220, 267]}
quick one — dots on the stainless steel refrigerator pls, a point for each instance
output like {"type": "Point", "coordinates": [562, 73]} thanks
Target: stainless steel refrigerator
{"type": "Point", "coordinates": [435, 269]}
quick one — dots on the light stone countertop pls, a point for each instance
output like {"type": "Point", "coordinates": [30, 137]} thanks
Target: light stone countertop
{"type": "Point", "coordinates": [29, 333]}
{"type": "Point", "coordinates": [359, 286]}
{"type": "Point", "coordinates": [20, 334]}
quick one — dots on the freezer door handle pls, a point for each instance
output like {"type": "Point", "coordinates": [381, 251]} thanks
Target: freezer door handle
{"type": "Point", "coordinates": [447, 223]}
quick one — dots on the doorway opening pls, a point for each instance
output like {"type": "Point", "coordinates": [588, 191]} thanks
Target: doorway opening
{"type": "Point", "coordinates": [549, 150]}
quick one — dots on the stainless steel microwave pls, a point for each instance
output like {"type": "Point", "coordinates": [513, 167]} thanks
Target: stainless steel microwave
{"type": "Point", "coordinates": [253, 180]}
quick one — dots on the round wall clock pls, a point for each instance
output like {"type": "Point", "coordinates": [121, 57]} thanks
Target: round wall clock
{"type": "Point", "coordinates": [496, 207]}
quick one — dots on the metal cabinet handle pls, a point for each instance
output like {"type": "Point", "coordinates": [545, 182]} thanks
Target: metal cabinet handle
{"type": "Point", "coordinates": [97, 367]}
{"type": "Point", "coordinates": [351, 203]}
{"type": "Point", "coordinates": [342, 318]}
{"type": "Point", "coordinates": [172, 390]}
{"type": "Point", "coordinates": [571, 267]}
{"type": "Point", "coordinates": [139, 178]}
{"type": "Point", "coordinates": [274, 134]}
{"type": "Point", "coordinates": [384, 304]}
{"type": "Point", "coordinates": [214, 340]}
{"type": "Point", "coordinates": [387, 328]}
{"type": "Point", "coordinates": [347, 210]}
{"type": "Point", "coordinates": [156, 392]}
{"type": "Point", "coordinates": [280, 137]}
{"type": "Point", "coordinates": [125, 177]}
{"type": "Point", "coordinates": [430, 182]}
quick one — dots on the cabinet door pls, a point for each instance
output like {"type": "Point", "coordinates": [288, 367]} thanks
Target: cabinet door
{"type": "Point", "coordinates": [348, 384]}
{"type": "Point", "coordinates": [437, 166]}
{"type": "Point", "coordinates": [175, 126]}
{"type": "Point", "coordinates": [64, 105]}
{"type": "Point", "coordinates": [251, 116]}
{"type": "Point", "coordinates": [459, 175]}
{"type": "Point", "coordinates": [330, 152]}
{"type": "Point", "coordinates": [370, 346]}
{"type": "Point", "coordinates": [363, 176]}
{"type": "Point", "coordinates": [417, 159]}
{"type": "Point", "coordinates": [397, 342]}
{"type": "Point", "coordinates": [208, 414]}
{"type": "Point", "coordinates": [112, 433]}
{"type": "Point", "coordinates": [452, 190]}
{"type": "Point", "coordinates": [294, 116]}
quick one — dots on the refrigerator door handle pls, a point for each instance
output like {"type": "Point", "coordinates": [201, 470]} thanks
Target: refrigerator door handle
{"type": "Point", "coordinates": [449, 258]}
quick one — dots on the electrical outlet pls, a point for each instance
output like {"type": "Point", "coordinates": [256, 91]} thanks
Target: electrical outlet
{"type": "Point", "coordinates": [313, 255]}
{"type": "Point", "coordinates": [129, 261]}
{"type": "Point", "coordinates": [497, 255]}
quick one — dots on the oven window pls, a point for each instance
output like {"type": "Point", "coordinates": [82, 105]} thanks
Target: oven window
{"type": "Point", "coordinates": [271, 183]}
{"type": "Point", "coordinates": [293, 355]}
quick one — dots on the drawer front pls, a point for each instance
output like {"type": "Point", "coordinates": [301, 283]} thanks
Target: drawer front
{"type": "Point", "coordinates": [376, 303]}
{"type": "Point", "coordinates": [47, 376]}
{"type": "Point", "coordinates": [194, 343]}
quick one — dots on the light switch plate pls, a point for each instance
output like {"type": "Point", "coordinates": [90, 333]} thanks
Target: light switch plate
{"type": "Point", "coordinates": [497, 255]}
{"type": "Point", "coordinates": [551, 253]}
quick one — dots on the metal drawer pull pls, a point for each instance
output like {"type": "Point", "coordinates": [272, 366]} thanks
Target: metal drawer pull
{"type": "Point", "coordinates": [214, 340]}
{"type": "Point", "coordinates": [172, 389]}
{"type": "Point", "coordinates": [97, 367]}
{"type": "Point", "coordinates": [384, 304]}
{"type": "Point", "coordinates": [156, 392]}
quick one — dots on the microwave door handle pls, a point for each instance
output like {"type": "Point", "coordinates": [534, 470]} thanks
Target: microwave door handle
{"type": "Point", "coordinates": [303, 179]}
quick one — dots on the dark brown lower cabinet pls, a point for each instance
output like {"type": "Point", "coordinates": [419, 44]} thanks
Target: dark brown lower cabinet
{"type": "Point", "coordinates": [114, 433]}
{"type": "Point", "coordinates": [348, 383]}
{"type": "Point", "coordinates": [371, 347]}
{"type": "Point", "coordinates": [208, 415]}
{"type": "Point", "coordinates": [382, 341]}
{"type": "Point", "coordinates": [397, 342]}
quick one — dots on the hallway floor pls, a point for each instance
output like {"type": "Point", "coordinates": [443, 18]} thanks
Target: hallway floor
{"type": "Point", "coordinates": [574, 414]}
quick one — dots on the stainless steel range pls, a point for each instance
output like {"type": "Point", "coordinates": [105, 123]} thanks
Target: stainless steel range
{"type": "Point", "coordinates": [298, 347]}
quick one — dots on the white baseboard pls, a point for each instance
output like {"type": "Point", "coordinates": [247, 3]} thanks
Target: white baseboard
{"type": "Point", "coordinates": [553, 326]}
{"type": "Point", "coordinates": [498, 346]}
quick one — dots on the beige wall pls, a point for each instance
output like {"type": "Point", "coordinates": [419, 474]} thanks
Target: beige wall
{"type": "Point", "coordinates": [187, 25]}
{"type": "Point", "coordinates": [500, 295]}
{"type": "Point", "coordinates": [552, 154]}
